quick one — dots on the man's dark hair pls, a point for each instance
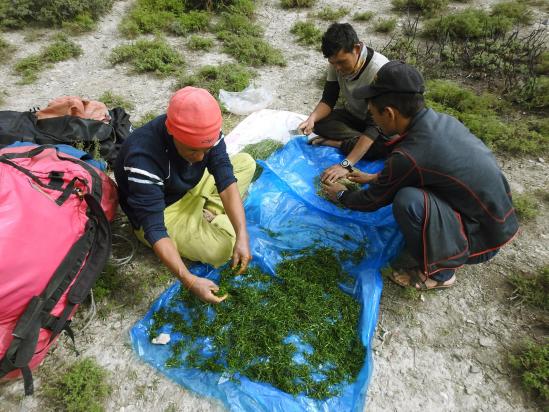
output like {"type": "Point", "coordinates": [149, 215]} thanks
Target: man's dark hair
{"type": "Point", "coordinates": [408, 104]}
{"type": "Point", "coordinates": [339, 36]}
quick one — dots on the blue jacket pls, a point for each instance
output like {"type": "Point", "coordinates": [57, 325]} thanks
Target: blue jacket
{"type": "Point", "coordinates": [151, 176]}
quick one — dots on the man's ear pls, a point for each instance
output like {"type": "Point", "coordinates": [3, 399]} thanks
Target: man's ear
{"type": "Point", "coordinates": [356, 48]}
{"type": "Point", "coordinates": [391, 112]}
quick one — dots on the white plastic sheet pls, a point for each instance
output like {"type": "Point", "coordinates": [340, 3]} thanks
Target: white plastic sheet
{"type": "Point", "coordinates": [265, 124]}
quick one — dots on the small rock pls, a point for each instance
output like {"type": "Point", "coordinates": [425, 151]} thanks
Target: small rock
{"type": "Point", "coordinates": [541, 160]}
{"type": "Point", "coordinates": [97, 37]}
{"type": "Point", "coordinates": [161, 339]}
{"type": "Point", "coordinates": [469, 321]}
{"type": "Point", "coordinates": [468, 390]}
{"type": "Point", "coordinates": [474, 369]}
{"type": "Point", "coordinates": [485, 342]}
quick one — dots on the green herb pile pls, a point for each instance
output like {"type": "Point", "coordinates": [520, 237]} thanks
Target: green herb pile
{"type": "Point", "coordinates": [350, 185]}
{"type": "Point", "coordinates": [261, 151]}
{"type": "Point", "coordinates": [285, 330]}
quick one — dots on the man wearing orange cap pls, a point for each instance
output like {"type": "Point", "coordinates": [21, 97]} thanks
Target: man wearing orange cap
{"type": "Point", "coordinates": [177, 206]}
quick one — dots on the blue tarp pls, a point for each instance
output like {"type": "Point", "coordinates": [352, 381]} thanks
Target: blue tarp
{"type": "Point", "coordinates": [284, 201]}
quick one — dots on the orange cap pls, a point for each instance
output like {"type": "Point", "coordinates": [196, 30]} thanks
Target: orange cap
{"type": "Point", "coordinates": [194, 117]}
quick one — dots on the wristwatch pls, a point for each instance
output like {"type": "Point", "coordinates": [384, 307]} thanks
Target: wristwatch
{"type": "Point", "coordinates": [346, 164]}
{"type": "Point", "coordinates": [339, 195]}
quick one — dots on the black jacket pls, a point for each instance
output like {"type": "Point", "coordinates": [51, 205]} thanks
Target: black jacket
{"type": "Point", "coordinates": [464, 189]}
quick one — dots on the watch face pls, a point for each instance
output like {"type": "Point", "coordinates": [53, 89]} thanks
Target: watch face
{"type": "Point", "coordinates": [345, 163]}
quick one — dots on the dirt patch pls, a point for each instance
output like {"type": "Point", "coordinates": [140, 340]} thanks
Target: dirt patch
{"type": "Point", "coordinates": [446, 351]}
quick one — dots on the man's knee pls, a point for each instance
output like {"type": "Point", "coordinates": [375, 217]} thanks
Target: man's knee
{"type": "Point", "coordinates": [217, 253]}
{"type": "Point", "coordinates": [243, 162]}
{"type": "Point", "coordinates": [409, 204]}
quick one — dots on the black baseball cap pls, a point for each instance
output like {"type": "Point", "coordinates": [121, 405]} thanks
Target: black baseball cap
{"type": "Point", "coordinates": [393, 77]}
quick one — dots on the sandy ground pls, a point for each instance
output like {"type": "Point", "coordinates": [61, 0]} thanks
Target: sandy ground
{"type": "Point", "coordinates": [445, 352]}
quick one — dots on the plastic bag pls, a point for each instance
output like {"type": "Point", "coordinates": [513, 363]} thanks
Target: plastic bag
{"type": "Point", "coordinates": [284, 200]}
{"type": "Point", "coordinates": [261, 125]}
{"type": "Point", "coordinates": [249, 100]}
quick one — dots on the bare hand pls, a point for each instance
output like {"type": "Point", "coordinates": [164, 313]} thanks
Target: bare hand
{"type": "Point", "coordinates": [333, 174]}
{"type": "Point", "coordinates": [361, 177]}
{"type": "Point", "coordinates": [204, 290]}
{"type": "Point", "coordinates": [241, 254]}
{"type": "Point", "coordinates": [307, 126]}
{"type": "Point", "coordinates": [331, 190]}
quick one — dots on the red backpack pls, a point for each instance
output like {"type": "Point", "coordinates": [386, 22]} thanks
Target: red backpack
{"type": "Point", "coordinates": [55, 240]}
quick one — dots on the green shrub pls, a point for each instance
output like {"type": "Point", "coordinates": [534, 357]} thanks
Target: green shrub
{"type": "Point", "coordinates": [210, 4]}
{"type": "Point", "coordinates": [536, 93]}
{"type": "Point", "coordinates": [307, 33]}
{"type": "Point", "coordinates": [192, 21]}
{"type": "Point", "coordinates": [532, 363]}
{"type": "Point", "coordinates": [251, 50]}
{"type": "Point", "coordinates": [385, 25]}
{"type": "Point", "coordinates": [365, 16]}
{"type": "Point", "coordinates": [542, 63]}
{"type": "Point", "coordinates": [329, 14]}
{"type": "Point", "coordinates": [475, 23]}
{"type": "Point", "coordinates": [238, 24]}
{"type": "Point", "coordinates": [290, 4]}
{"type": "Point", "coordinates": [146, 118]}
{"type": "Point", "coordinates": [229, 76]}
{"type": "Point", "coordinates": [480, 115]}
{"type": "Point", "coordinates": [29, 68]}
{"type": "Point", "coordinates": [108, 283]}
{"type": "Point", "coordinates": [422, 6]}
{"type": "Point", "coordinates": [149, 56]}
{"type": "Point", "coordinates": [62, 48]}
{"type": "Point", "coordinates": [513, 10]}
{"type": "Point", "coordinates": [83, 387]}
{"type": "Point", "coordinates": [59, 50]}
{"type": "Point", "coordinates": [245, 7]}
{"type": "Point", "coordinates": [46, 13]}
{"type": "Point", "coordinates": [82, 23]}
{"type": "Point", "coordinates": [112, 100]}
{"type": "Point", "coordinates": [451, 94]}
{"type": "Point", "coordinates": [199, 43]}
{"type": "Point", "coordinates": [539, 125]}
{"type": "Point", "coordinates": [143, 20]}
{"type": "Point", "coordinates": [526, 207]}
{"type": "Point", "coordinates": [177, 17]}
{"type": "Point", "coordinates": [6, 51]}
{"type": "Point", "coordinates": [467, 24]}
{"type": "Point", "coordinates": [532, 289]}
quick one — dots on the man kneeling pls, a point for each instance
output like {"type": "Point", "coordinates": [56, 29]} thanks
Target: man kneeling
{"type": "Point", "coordinates": [177, 206]}
{"type": "Point", "coordinates": [449, 196]}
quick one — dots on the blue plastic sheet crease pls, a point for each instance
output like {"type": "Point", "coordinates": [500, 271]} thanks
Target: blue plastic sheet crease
{"type": "Point", "coordinates": [284, 200]}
